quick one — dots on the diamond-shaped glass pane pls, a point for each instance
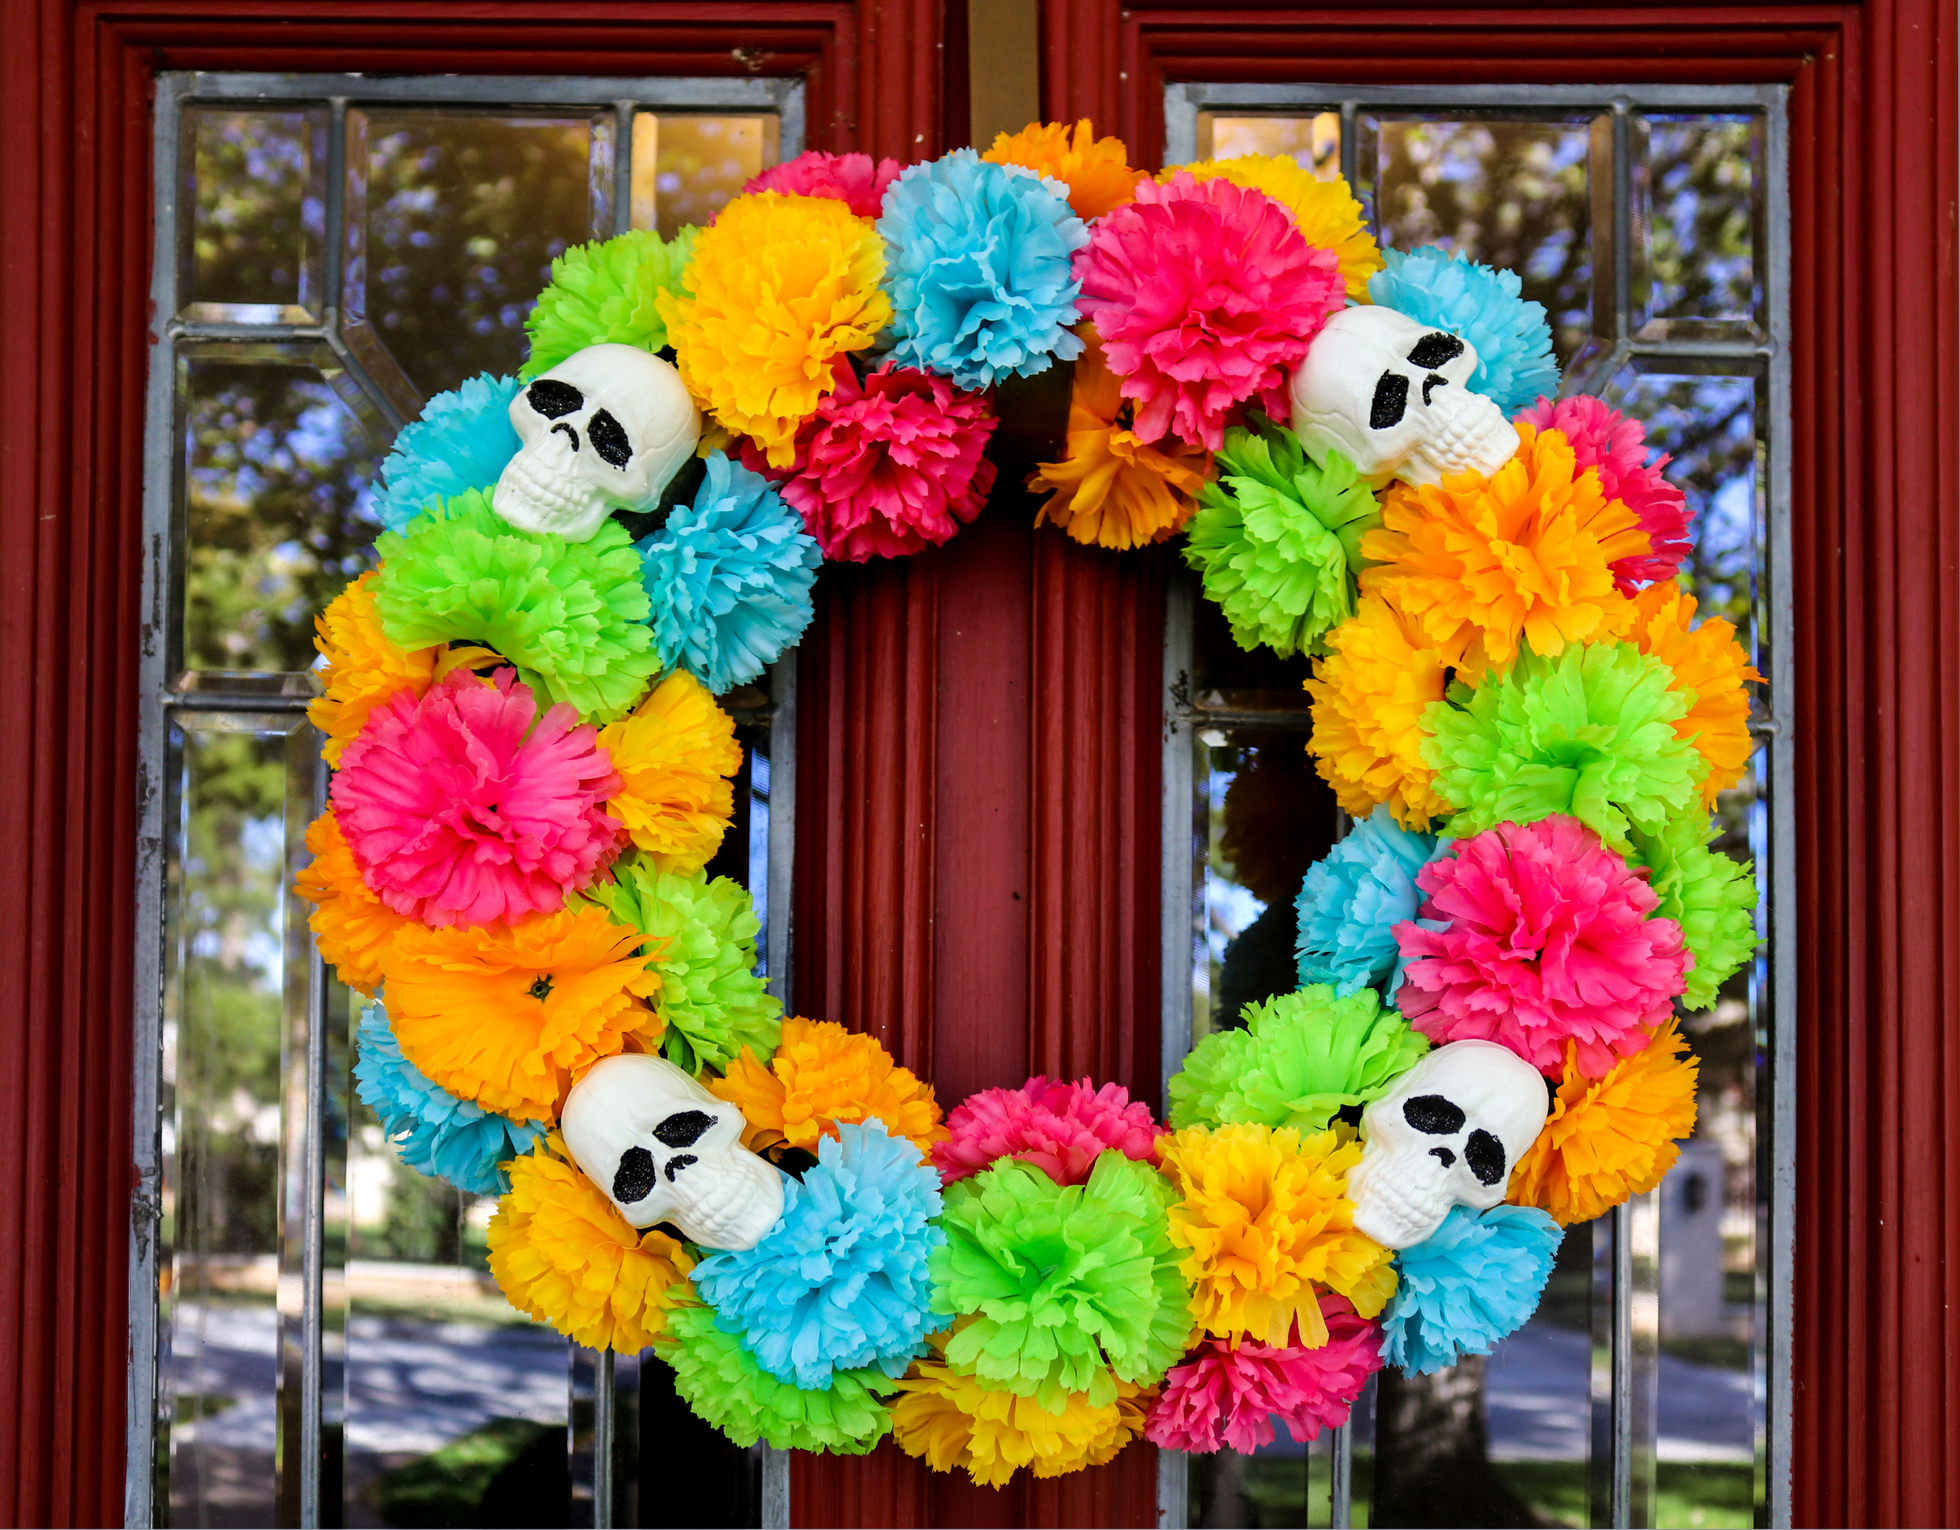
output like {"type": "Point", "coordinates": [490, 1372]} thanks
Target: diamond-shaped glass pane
{"type": "Point", "coordinates": [687, 167]}
{"type": "Point", "coordinates": [255, 195]}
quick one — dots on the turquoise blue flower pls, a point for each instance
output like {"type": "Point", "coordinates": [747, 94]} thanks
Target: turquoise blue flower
{"type": "Point", "coordinates": [1352, 900]}
{"type": "Point", "coordinates": [463, 440]}
{"type": "Point", "coordinates": [978, 261]}
{"type": "Point", "coordinates": [1476, 1280]}
{"type": "Point", "coordinates": [1511, 337]}
{"type": "Point", "coordinates": [729, 577]}
{"type": "Point", "coordinates": [433, 1131]}
{"type": "Point", "coordinates": [840, 1282]}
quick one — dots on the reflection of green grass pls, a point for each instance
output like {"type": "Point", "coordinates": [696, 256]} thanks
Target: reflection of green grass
{"type": "Point", "coordinates": [191, 1406]}
{"type": "Point", "coordinates": [446, 1487]}
{"type": "Point", "coordinates": [1725, 1354]}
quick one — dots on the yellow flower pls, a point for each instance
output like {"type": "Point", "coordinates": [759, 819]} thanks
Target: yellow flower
{"type": "Point", "coordinates": [363, 668]}
{"type": "Point", "coordinates": [674, 754]}
{"type": "Point", "coordinates": [563, 1254]}
{"type": "Point", "coordinates": [778, 288]}
{"type": "Point", "coordinates": [1325, 211]}
{"type": "Point", "coordinates": [955, 1420]}
{"type": "Point", "coordinates": [1096, 170]}
{"type": "Point", "coordinates": [1265, 1215]}
{"type": "Point", "coordinates": [1613, 1138]}
{"type": "Point", "coordinates": [1481, 564]}
{"type": "Point", "coordinates": [1369, 696]}
{"type": "Point", "coordinates": [1708, 662]}
{"type": "Point", "coordinates": [822, 1074]}
{"type": "Point", "coordinates": [1111, 488]}
{"type": "Point", "coordinates": [508, 1016]}
{"type": "Point", "coordinates": [353, 926]}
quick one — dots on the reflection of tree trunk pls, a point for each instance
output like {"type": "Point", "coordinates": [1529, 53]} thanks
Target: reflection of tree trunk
{"type": "Point", "coordinates": [1225, 1504]}
{"type": "Point", "coordinates": [1432, 1462]}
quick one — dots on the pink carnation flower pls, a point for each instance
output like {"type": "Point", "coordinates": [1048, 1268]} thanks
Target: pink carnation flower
{"type": "Point", "coordinates": [848, 178]}
{"type": "Point", "coordinates": [1605, 439]}
{"type": "Point", "coordinates": [1545, 937]}
{"type": "Point", "coordinates": [459, 811]}
{"type": "Point", "coordinates": [889, 468]}
{"type": "Point", "coordinates": [1059, 1128]}
{"type": "Point", "coordinates": [1204, 294]}
{"type": "Point", "coordinates": [1226, 1394]}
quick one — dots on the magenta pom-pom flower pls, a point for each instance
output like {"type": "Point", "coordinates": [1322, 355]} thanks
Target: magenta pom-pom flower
{"type": "Point", "coordinates": [459, 811]}
{"type": "Point", "coordinates": [1532, 935]}
{"type": "Point", "coordinates": [1059, 1128]}
{"type": "Point", "coordinates": [850, 178]}
{"type": "Point", "coordinates": [1227, 1394]}
{"type": "Point", "coordinates": [1607, 440]}
{"type": "Point", "coordinates": [1204, 294]}
{"type": "Point", "coordinates": [889, 467]}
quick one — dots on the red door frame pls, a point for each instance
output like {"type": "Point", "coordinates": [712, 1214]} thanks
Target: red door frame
{"type": "Point", "coordinates": [977, 881]}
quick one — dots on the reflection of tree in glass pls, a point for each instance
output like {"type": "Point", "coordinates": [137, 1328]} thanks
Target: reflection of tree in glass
{"type": "Point", "coordinates": [1702, 251]}
{"type": "Point", "coordinates": [1510, 194]}
{"type": "Point", "coordinates": [465, 214]}
{"type": "Point", "coordinates": [278, 515]}
{"type": "Point", "coordinates": [703, 162]}
{"type": "Point", "coordinates": [248, 233]}
{"type": "Point", "coordinates": [232, 881]}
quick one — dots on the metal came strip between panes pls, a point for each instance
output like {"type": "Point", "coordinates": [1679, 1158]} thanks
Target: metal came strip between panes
{"type": "Point", "coordinates": [1595, 364]}
{"type": "Point", "coordinates": [217, 696]}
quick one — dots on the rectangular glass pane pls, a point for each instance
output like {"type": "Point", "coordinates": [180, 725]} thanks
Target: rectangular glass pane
{"type": "Point", "coordinates": [453, 221]}
{"type": "Point", "coordinates": [1513, 194]}
{"type": "Point", "coordinates": [1698, 177]}
{"type": "Point", "coordinates": [685, 168]}
{"type": "Point", "coordinates": [276, 508]}
{"type": "Point", "coordinates": [1312, 140]}
{"type": "Point", "coordinates": [234, 1002]}
{"type": "Point", "coordinates": [256, 193]}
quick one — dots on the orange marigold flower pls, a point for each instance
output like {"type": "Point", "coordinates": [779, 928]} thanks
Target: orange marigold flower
{"type": "Point", "coordinates": [1481, 563]}
{"type": "Point", "coordinates": [507, 1016]}
{"type": "Point", "coordinates": [674, 754]}
{"type": "Point", "coordinates": [353, 926]}
{"type": "Point", "coordinates": [563, 1254]}
{"type": "Point", "coordinates": [363, 668]}
{"type": "Point", "coordinates": [1708, 661]}
{"type": "Point", "coordinates": [1096, 170]}
{"type": "Point", "coordinates": [1111, 488]}
{"type": "Point", "coordinates": [821, 1075]}
{"type": "Point", "coordinates": [1369, 697]}
{"type": "Point", "coordinates": [1608, 1139]}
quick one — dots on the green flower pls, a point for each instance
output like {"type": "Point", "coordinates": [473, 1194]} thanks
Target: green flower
{"type": "Point", "coordinates": [1278, 539]}
{"type": "Point", "coordinates": [1064, 1284]}
{"type": "Point", "coordinates": [1301, 1059]}
{"type": "Point", "coordinates": [704, 933]}
{"type": "Point", "coordinates": [1712, 898]}
{"type": "Point", "coordinates": [570, 616]}
{"type": "Point", "coordinates": [604, 293]}
{"type": "Point", "coordinates": [720, 1380]}
{"type": "Point", "coordinates": [1586, 733]}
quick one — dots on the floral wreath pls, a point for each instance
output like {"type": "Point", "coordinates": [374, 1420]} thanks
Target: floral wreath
{"type": "Point", "coordinates": [1361, 449]}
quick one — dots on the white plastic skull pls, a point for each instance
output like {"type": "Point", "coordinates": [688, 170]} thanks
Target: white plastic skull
{"type": "Point", "coordinates": [665, 1150]}
{"type": "Point", "coordinates": [607, 427]}
{"type": "Point", "coordinates": [1448, 1133]}
{"type": "Point", "coordinates": [1393, 397]}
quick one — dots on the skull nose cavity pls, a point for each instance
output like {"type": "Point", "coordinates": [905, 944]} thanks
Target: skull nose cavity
{"type": "Point", "coordinates": [1430, 384]}
{"type": "Point", "coordinates": [683, 1129]}
{"type": "Point", "coordinates": [1444, 1156]}
{"type": "Point", "coordinates": [552, 398]}
{"type": "Point", "coordinates": [1485, 1155]}
{"type": "Point", "coordinates": [678, 1162]}
{"type": "Point", "coordinates": [571, 435]}
{"type": "Point", "coordinates": [1434, 1115]}
{"type": "Point", "coordinates": [636, 1177]}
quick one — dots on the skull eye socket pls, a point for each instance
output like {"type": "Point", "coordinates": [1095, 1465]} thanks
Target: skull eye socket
{"type": "Point", "coordinates": [1391, 402]}
{"type": "Point", "coordinates": [608, 438]}
{"type": "Point", "coordinates": [636, 1177]}
{"type": "Point", "coordinates": [1433, 1114]}
{"type": "Point", "coordinates": [1434, 350]}
{"type": "Point", "coordinates": [684, 1128]}
{"type": "Point", "coordinates": [1485, 1155]}
{"type": "Point", "coordinates": [552, 398]}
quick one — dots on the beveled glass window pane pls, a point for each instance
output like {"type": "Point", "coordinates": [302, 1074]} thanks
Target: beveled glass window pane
{"type": "Point", "coordinates": [1512, 194]}
{"type": "Point", "coordinates": [1699, 179]}
{"type": "Point", "coordinates": [1314, 141]}
{"type": "Point", "coordinates": [687, 167]}
{"type": "Point", "coordinates": [256, 192]}
{"type": "Point", "coordinates": [277, 512]}
{"type": "Point", "coordinates": [452, 233]}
